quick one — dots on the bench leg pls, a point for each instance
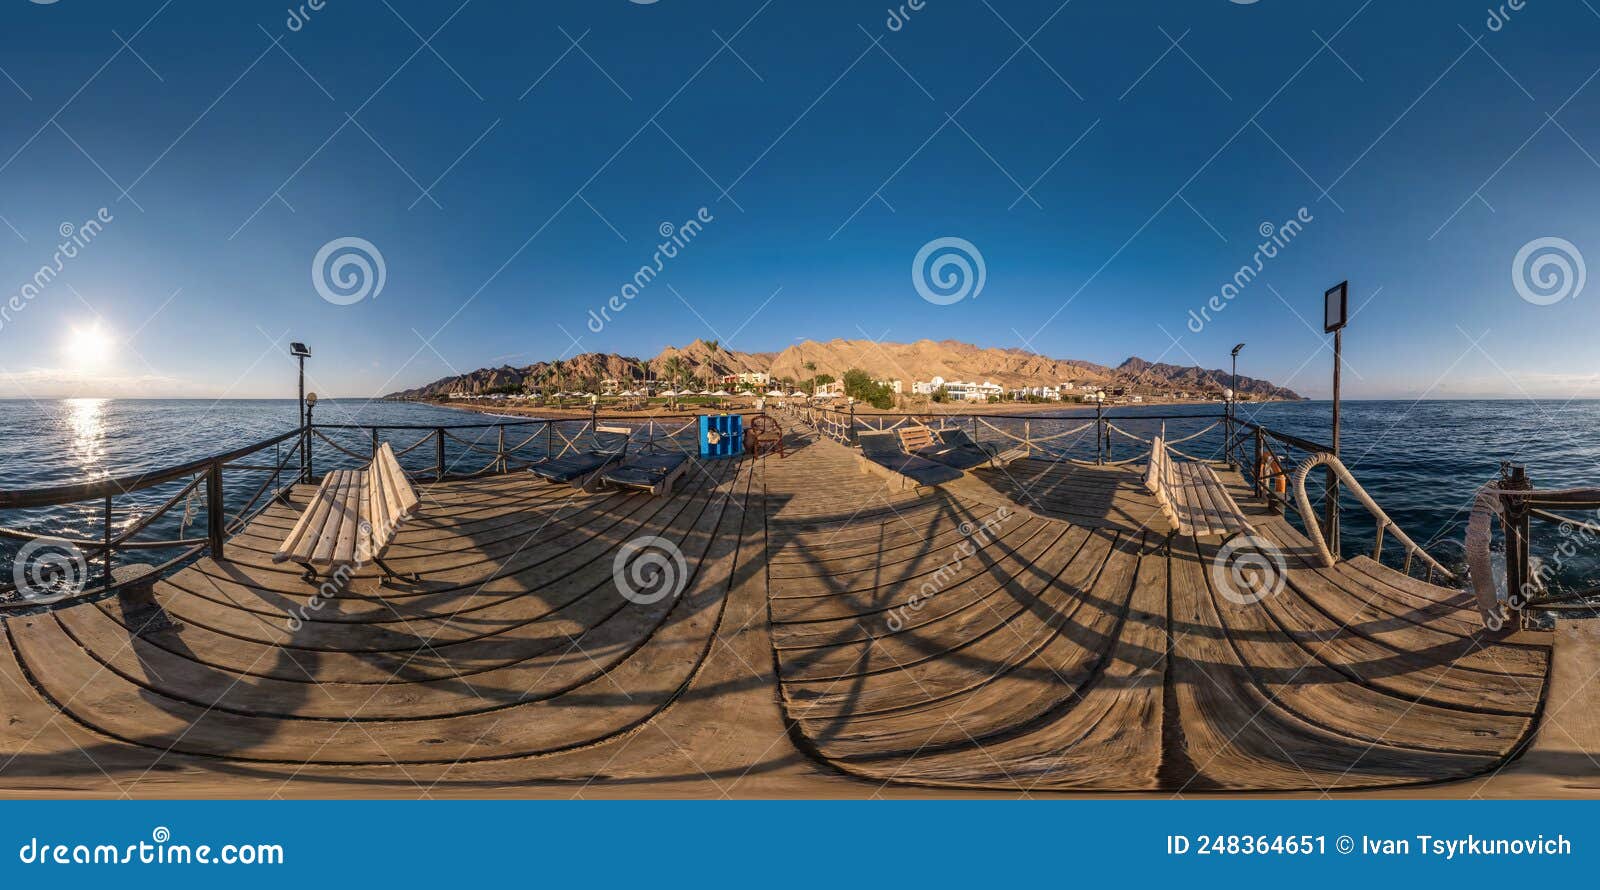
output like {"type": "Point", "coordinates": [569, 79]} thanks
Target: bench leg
{"type": "Point", "coordinates": [389, 574]}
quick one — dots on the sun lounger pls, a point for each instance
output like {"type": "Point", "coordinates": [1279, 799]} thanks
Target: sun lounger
{"type": "Point", "coordinates": [579, 467]}
{"type": "Point", "coordinates": [962, 444]}
{"type": "Point", "coordinates": [952, 447]}
{"type": "Point", "coordinates": [882, 453]}
{"type": "Point", "coordinates": [654, 473]}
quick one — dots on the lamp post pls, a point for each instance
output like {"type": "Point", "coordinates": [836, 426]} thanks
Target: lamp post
{"type": "Point", "coordinates": [305, 441]}
{"type": "Point", "coordinates": [1232, 394]}
{"type": "Point", "coordinates": [1100, 435]}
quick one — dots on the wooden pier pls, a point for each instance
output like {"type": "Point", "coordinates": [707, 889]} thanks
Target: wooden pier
{"type": "Point", "coordinates": [1032, 630]}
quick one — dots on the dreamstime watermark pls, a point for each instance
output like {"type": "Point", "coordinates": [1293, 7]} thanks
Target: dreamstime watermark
{"type": "Point", "coordinates": [1575, 534]}
{"type": "Point", "coordinates": [73, 240]}
{"type": "Point", "coordinates": [1500, 16]}
{"type": "Point", "coordinates": [901, 15]}
{"type": "Point", "coordinates": [1248, 569]}
{"type": "Point", "coordinates": [159, 850]}
{"type": "Point", "coordinates": [49, 569]}
{"type": "Point", "coordinates": [1548, 270]}
{"type": "Point", "coordinates": [677, 238]}
{"type": "Point", "coordinates": [348, 270]}
{"type": "Point", "coordinates": [972, 537]}
{"type": "Point", "coordinates": [1277, 238]}
{"type": "Point", "coordinates": [649, 569]}
{"type": "Point", "coordinates": [948, 270]}
{"type": "Point", "coordinates": [300, 15]}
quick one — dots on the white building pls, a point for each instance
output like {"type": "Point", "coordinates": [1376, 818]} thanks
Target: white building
{"type": "Point", "coordinates": [958, 390]}
{"type": "Point", "coordinates": [1048, 393]}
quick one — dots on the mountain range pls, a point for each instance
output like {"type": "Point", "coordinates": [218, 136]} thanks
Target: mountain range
{"type": "Point", "coordinates": [707, 361]}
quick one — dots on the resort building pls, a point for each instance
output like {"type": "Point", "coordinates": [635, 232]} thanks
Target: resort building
{"type": "Point", "coordinates": [829, 390]}
{"type": "Point", "coordinates": [958, 390]}
{"type": "Point", "coordinates": [746, 378]}
{"type": "Point", "coordinates": [1048, 393]}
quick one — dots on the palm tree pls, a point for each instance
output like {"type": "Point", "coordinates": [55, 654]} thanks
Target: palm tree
{"type": "Point", "coordinates": [674, 368]}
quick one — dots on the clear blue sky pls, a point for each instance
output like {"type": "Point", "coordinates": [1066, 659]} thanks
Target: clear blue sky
{"type": "Point", "coordinates": [825, 161]}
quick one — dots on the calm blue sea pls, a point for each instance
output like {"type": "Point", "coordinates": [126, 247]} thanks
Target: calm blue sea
{"type": "Point", "coordinates": [1422, 461]}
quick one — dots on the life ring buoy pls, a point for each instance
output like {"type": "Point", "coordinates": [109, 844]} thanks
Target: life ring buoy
{"type": "Point", "coordinates": [1271, 473]}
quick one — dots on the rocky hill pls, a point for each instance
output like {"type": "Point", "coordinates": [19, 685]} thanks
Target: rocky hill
{"type": "Point", "coordinates": [922, 360]}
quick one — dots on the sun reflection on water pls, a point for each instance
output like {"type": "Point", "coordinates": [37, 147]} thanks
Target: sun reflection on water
{"type": "Point", "coordinates": [86, 424]}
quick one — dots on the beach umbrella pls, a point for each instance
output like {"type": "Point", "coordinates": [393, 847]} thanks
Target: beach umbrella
{"type": "Point", "coordinates": [797, 394]}
{"type": "Point", "coordinates": [707, 392]}
{"type": "Point", "coordinates": [721, 392]}
{"type": "Point", "coordinates": [775, 392]}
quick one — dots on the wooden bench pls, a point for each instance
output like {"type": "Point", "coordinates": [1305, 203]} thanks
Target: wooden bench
{"type": "Point", "coordinates": [1192, 496]}
{"type": "Point", "coordinates": [351, 518]}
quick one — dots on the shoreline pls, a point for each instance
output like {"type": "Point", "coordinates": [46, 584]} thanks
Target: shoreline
{"type": "Point", "coordinates": [747, 406]}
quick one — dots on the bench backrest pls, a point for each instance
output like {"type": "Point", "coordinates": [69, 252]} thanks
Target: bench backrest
{"type": "Point", "coordinates": [916, 438]}
{"type": "Point", "coordinates": [390, 499]}
{"type": "Point", "coordinates": [617, 438]}
{"type": "Point", "coordinates": [1158, 473]}
{"type": "Point", "coordinates": [956, 437]}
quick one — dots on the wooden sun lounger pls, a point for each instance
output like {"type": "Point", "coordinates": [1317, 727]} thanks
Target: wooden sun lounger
{"type": "Point", "coordinates": [578, 469]}
{"type": "Point", "coordinates": [351, 518]}
{"type": "Point", "coordinates": [882, 453]}
{"type": "Point", "coordinates": [653, 473]}
{"type": "Point", "coordinates": [1192, 496]}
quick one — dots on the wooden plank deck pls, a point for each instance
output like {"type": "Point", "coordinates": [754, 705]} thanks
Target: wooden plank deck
{"type": "Point", "coordinates": [1027, 630]}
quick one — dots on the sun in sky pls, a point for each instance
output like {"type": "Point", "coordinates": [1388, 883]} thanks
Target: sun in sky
{"type": "Point", "coordinates": [88, 346]}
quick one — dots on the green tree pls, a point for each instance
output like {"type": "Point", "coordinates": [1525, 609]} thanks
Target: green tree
{"type": "Point", "coordinates": [859, 385]}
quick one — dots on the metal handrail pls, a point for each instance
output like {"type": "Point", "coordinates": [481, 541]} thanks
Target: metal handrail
{"type": "Point", "coordinates": [1384, 523]}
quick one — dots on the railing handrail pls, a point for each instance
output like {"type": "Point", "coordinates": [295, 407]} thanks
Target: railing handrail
{"type": "Point", "coordinates": [101, 488]}
{"type": "Point", "coordinates": [1285, 438]}
{"type": "Point", "coordinates": [530, 421]}
{"type": "Point", "coordinates": [1384, 523]}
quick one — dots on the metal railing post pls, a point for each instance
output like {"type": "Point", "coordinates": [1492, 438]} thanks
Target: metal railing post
{"type": "Point", "coordinates": [375, 441]}
{"type": "Point", "coordinates": [1099, 434]}
{"type": "Point", "coordinates": [1515, 477]}
{"type": "Point", "coordinates": [1330, 498]}
{"type": "Point", "coordinates": [438, 453]}
{"type": "Point", "coordinates": [500, 449]}
{"type": "Point", "coordinates": [311, 471]}
{"type": "Point", "coordinates": [1259, 466]}
{"type": "Point", "coordinates": [108, 540]}
{"type": "Point", "coordinates": [214, 512]}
